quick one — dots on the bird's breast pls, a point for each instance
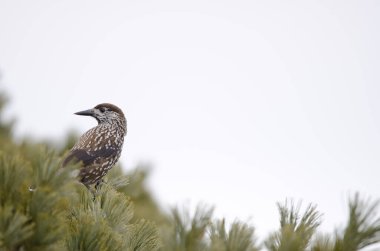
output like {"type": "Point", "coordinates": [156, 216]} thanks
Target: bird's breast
{"type": "Point", "coordinates": [101, 137]}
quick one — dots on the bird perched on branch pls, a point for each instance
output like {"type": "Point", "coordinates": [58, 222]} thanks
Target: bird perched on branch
{"type": "Point", "coordinates": [100, 147]}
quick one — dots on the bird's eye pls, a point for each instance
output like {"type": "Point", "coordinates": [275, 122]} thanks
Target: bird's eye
{"type": "Point", "coordinates": [102, 109]}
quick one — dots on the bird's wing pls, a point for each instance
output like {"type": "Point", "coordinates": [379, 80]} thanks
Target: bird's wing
{"type": "Point", "coordinates": [88, 157]}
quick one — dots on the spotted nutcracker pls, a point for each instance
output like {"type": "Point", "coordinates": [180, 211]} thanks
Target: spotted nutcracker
{"type": "Point", "coordinates": [100, 147]}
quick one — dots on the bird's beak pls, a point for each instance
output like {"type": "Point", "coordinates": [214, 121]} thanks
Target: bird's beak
{"type": "Point", "coordinates": [89, 112]}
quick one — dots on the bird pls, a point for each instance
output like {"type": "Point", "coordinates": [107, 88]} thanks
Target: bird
{"type": "Point", "coordinates": [98, 149]}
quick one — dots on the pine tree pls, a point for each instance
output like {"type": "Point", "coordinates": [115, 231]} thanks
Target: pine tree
{"type": "Point", "coordinates": [43, 207]}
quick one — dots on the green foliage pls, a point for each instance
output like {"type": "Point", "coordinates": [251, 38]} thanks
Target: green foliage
{"type": "Point", "coordinates": [201, 232]}
{"type": "Point", "coordinates": [15, 227]}
{"type": "Point", "coordinates": [34, 215]}
{"type": "Point", "coordinates": [188, 232]}
{"type": "Point", "coordinates": [104, 223]}
{"type": "Point", "coordinates": [240, 237]}
{"type": "Point", "coordinates": [13, 179]}
{"type": "Point", "coordinates": [295, 231]}
{"type": "Point", "coordinates": [134, 184]}
{"type": "Point", "coordinates": [363, 227]}
{"type": "Point", "coordinates": [5, 126]}
{"type": "Point", "coordinates": [143, 237]}
{"type": "Point", "coordinates": [43, 207]}
{"type": "Point", "coordinates": [323, 243]}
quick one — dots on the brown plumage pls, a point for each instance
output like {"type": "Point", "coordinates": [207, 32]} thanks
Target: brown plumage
{"type": "Point", "coordinates": [100, 147]}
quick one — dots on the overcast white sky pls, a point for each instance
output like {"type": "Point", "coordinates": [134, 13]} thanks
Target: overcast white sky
{"type": "Point", "coordinates": [238, 104]}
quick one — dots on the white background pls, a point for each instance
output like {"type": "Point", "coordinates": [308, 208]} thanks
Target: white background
{"type": "Point", "coordinates": [238, 104]}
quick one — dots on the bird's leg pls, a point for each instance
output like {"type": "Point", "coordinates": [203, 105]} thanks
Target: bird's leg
{"type": "Point", "coordinates": [91, 189]}
{"type": "Point", "coordinates": [93, 192]}
{"type": "Point", "coordinates": [98, 184]}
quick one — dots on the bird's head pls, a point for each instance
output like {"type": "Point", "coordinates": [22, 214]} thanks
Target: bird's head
{"type": "Point", "coordinates": [105, 113]}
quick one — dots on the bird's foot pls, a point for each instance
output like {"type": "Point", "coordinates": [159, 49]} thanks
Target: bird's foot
{"type": "Point", "coordinates": [99, 184]}
{"type": "Point", "coordinates": [95, 189]}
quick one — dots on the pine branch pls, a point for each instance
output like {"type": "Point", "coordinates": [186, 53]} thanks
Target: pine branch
{"type": "Point", "coordinates": [144, 237]}
{"type": "Point", "coordinates": [363, 227]}
{"type": "Point", "coordinates": [323, 243]}
{"type": "Point", "coordinates": [188, 232]}
{"type": "Point", "coordinates": [240, 237]}
{"type": "Point", "coordinates": [295, 231]}
{"type": "Point", "coordinates": [15, 228]}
